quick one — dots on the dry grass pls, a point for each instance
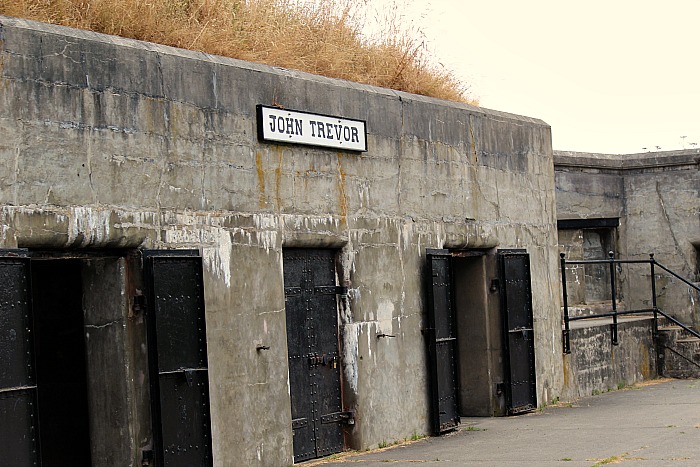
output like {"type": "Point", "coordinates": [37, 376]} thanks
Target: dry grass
{"type": "Point", "coordinates": [323, 37]}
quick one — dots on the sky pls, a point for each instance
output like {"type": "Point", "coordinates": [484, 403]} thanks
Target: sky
{"type": "Point", "coordinates": [613, 76]}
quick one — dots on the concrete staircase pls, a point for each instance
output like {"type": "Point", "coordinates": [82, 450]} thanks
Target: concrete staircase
{"type": "Point", "coordinates": [678, 352]}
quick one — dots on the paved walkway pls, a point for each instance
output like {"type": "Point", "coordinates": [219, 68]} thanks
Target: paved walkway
{"type": "Point", "coordinates": [656, 424]}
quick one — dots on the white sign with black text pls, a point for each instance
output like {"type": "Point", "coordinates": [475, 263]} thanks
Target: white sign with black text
{"type": "Point", "coordinates": [295, 127]}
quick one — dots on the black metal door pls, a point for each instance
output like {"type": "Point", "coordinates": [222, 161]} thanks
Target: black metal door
{"type": "Point", "coordinates": [516, 306]}
{"type": "Point", "coordinates": [177, 345]}
{"type": "Point", "coordinates": [312, 340]}
{"type": "Point", "coordinates": [18, 391]}
{"type": "Point", "coordinates": [442, 340]}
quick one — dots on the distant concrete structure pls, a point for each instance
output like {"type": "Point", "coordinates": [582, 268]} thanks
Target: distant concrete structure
{"type": "Point", "coordinates": [632, 205]}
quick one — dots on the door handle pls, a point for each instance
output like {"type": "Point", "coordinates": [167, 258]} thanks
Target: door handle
{"type": "Point", "coordinates": [315, 360]}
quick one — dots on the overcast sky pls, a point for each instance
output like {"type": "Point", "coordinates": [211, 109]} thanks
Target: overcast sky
{"type": "Point", "coordinates": [611, 76]}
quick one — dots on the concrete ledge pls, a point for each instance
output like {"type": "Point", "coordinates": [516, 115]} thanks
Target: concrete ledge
{"type": "Point", "coordinates": [667, 159]}
{"type": "Point", "coordinates": [598, 322]}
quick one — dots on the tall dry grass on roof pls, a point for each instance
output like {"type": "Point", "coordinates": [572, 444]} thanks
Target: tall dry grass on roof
{"type": "Point", "coordinates": [324, 37]}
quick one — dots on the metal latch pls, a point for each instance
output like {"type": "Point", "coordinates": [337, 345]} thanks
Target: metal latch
{"type": "Point", "coordinates": [345, 417]}
{"type": "Point", "coordinates": [331, 290]}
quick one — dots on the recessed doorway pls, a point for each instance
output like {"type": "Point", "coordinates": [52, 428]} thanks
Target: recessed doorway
{"type": "Point", "coordinates": [61, 374]}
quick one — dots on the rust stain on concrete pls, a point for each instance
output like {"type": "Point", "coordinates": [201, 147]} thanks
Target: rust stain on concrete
{"type": "Point", "coordinates": [261, 179]}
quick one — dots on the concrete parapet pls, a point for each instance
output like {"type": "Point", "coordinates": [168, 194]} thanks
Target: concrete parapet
{"type": "Point", "coordinates": [595, 365]}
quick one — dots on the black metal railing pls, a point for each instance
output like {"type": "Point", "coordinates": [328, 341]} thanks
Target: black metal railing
{"type": "Point", "coordinates": [614, 312]}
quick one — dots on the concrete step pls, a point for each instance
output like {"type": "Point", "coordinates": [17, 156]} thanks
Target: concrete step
{"type": "Point", "coordinates": [679, 358]}
{"type": "Point", "coordinates": [679, 351]}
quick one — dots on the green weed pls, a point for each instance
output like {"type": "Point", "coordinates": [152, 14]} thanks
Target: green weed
{"type": "Point", "coordinates": [474, 428]}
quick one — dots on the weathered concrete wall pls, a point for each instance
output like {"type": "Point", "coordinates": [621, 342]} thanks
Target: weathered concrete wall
{"type": "Point", "coordinates": [595, 365]}
{"type": "Point", "coordinates": [117, 363]}
{"type": "Point", "coordinates": [108, 142]}
{"type": "Point", "coordinates": [663, 217]}
{"type": "Point", "coordinates": [588, 186]}
{"type": "Point", "coordinates": [655, 196]}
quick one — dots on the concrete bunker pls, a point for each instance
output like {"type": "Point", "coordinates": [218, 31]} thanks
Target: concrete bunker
{"type": "Point", "coordinates": [163, 155]}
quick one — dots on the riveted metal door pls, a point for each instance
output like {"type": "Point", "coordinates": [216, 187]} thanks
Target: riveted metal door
{"type": "Point", "coordinates": [178, 366]}
{"type": "Point", "coordinates": [516, 306]}
{"type": "Point", "coordinates": [442, 341]}
{"type": "Point", "coordinates": [18, 391]}
{"type": "Point", "coordinates": [312, 340]}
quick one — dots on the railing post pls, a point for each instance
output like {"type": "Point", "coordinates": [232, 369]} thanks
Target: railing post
{"type": "Point", "coordinates": [652, 261]}
{"type": "Point", "coordinates": [565, 333]}
{"type": "Point", "coordinates": [613, 327]}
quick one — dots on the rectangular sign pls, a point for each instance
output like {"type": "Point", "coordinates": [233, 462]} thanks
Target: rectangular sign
{"type": "Point", "coordinates": [295, 127]}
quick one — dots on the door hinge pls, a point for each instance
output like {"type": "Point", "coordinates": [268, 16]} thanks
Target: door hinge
{"type": "Point", "coordinates": [299, 423]}
{"type": "Point", "coordinates": [138, 303]}
{"type": "Point", "coordinates": [331, 290]}
{"type": "Point", "coordinates": [345, 417]}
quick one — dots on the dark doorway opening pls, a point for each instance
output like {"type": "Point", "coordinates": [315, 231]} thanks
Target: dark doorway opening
{"type": "Point", "coordinates": [74, 385]}
{"type": "Point", "coordinates": [478, 319]}
{"type": "Point", "coordinates": [480, 315]}
{"type": "Point", "coordinates": [64, 431]}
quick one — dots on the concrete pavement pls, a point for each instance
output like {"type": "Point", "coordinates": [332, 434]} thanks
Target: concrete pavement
{"type": "Point", "coordinates": [655, 424]}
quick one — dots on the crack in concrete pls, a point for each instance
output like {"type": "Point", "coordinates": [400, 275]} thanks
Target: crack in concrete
{"type": "Point", "coordinates": [102, 326]}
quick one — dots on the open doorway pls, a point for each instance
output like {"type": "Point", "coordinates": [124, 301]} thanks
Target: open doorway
{"type": "Point", "coordinates": [69, 395]}
{"type": "Point", "coordinates": [61, 370]}
{"type": "Point", "coordinates": [485, 331]}
{"type": "Point", "coordinates": [74, 385]}
{"type": "Point", "coordinates": [477, 311]}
